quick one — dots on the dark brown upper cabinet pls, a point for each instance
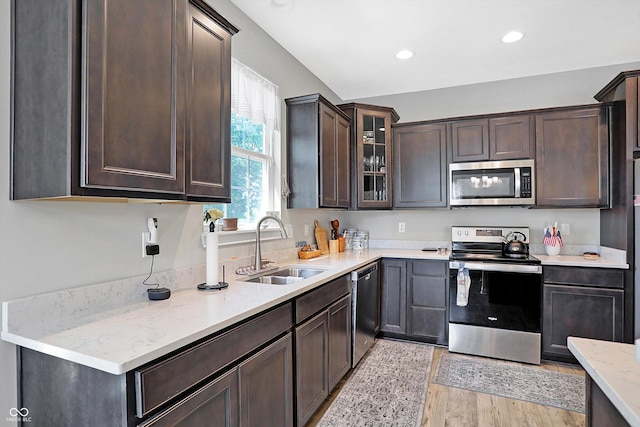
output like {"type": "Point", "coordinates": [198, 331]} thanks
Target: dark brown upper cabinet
{"type": "Point", "coordinates": [208, 106]}
{"type": "Point", "coordinates": [470, 140]}
{"type": "Point", "coordinates": [371, 155]}
{"type": "Point", "coordinates": [511, 137]}
{"type": "Point", "coordinates": [103, 109]}
{"type": "Point", "coordinates": [317, 153]}
{"type": "Point", "coordinates": [624, 92]}
{"type": "Point", "coordinates": [420, 165]}
{"type": "Point", "coordinates": [572, 157]}
{"type": "Point", "coordinates": [497, 138]}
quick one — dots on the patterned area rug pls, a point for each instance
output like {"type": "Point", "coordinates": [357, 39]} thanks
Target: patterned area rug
{"type": "Point", "coordinates": [506, 379]}
{"type": "Point", "coordinates": [387, 388]}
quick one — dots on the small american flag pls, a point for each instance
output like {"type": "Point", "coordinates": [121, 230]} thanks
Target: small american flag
{"type": "Point", "coordinates": [548, 238]}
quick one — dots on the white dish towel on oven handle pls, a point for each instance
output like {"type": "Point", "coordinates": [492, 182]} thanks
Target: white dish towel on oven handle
{"type": "Point", "coordinates": [463, 285]}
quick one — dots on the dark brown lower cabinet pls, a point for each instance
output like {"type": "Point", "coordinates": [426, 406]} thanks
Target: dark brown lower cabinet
{"type": "Point", "coordinates": [258, 392]}
{"type": "Point", "coordinates": [215, 404]}
{"type": "Point", "coordinates": [266, 386]}
{"type": "Point", "coordinates": [415, 300]}
{"type": "Point", "coordinates": [427, 300]}
{"type": "Point", "coordinates": [312, 379]}
{"type": "Point", "coordinates": [339, 340]}
{"type": "Point", "coordinates": [599, 411]}
{"type": "Point", "coordinates": [323, 356]}
{"type": "Point", "coordinates": [241, 376]}
{"type": "Point", "coordinates": [393, 300]}
{"type": "Point", "coordinates": [580, 302]}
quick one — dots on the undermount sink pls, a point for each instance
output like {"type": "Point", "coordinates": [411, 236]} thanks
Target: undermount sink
{"type": "Point", "coordinates": [298, 272]}
{"type": "Point", "coordinates": [275, 280]}
{"type": "Point", "coordinates": [286, 276]}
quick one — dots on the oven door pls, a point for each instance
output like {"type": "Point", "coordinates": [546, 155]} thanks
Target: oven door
{"type": "Point", "coordinates": [504, 296]}
{"type": "Point", "coordinates": [502, 316]}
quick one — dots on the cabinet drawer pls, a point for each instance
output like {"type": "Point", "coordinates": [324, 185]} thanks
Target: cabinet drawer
{"type": "Point", "coordinates": [314, 301]}
{"type": "Point", "coordinates": [160, 382]}
{"type": "Point", "coordinates": [215, 404]}
{"type": "Point", "coordinates": [599, 277]}
{"type": "Point", "coordinates": [429, 268]}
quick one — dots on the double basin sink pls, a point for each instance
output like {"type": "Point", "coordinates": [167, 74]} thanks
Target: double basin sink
{"type": "Point", "coordinates": [287, 275]}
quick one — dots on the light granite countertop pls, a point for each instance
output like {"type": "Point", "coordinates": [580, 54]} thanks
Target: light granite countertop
{"type": "Point", "coordinates": [113, 327]}
{"type": "Point", "coordinates": [614, 368]}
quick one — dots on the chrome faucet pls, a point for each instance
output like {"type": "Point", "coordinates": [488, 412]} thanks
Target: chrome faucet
{"type": "Point", "coordinates": [283, 234]}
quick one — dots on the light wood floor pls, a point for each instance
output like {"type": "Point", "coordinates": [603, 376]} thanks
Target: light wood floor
{"type": "Point", "coordinates": [454, 407]}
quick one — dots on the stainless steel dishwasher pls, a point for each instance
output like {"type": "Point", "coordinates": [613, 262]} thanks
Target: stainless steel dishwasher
{"type": "Point", "coordinates": [364, 298]}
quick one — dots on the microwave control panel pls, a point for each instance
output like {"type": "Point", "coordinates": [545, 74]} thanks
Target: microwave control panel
{"type": "Point", "coordinates": [525, 182]}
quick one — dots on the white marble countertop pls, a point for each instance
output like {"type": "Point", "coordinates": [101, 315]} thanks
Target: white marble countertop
{"type": "Point", "coordinates": [579, 261]}
{"type": "Point", "coordinates": [613, 366]}
{"type": "Point", "coordinates": [98, 327]}
{"type": "Point", "coordinates": [120, 338]}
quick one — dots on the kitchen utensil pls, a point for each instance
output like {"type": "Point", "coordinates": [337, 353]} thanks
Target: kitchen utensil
{"type": "Point", "coordinates": [515, 247]}
{"type": "Point", "coordinates": [321, 239]}
{"type": "Point", "coordinates": [335, 227]}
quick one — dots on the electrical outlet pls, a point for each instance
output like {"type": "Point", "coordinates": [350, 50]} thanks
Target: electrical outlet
{"type": "Point", "coordinates": [565, 229]}
{"type": "Point", "coordinates": [306, 230]}
{"type": "Point", "coordinates": [401, 227]}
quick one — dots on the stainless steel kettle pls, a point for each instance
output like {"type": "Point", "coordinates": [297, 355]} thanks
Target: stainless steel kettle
{"type": "Point", "coordinates": [515, 247]}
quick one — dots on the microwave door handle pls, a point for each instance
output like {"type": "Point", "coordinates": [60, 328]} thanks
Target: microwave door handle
{"type": "Point", "coordinates": [516, 172]}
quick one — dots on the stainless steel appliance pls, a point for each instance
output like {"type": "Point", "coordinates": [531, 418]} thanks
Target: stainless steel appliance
{"type": "Point", "coordinates": [508, 182]}
{"type": "Point", "coordinates": [364, 300]}
{"type": "Point", "coordinates": [501, 316]}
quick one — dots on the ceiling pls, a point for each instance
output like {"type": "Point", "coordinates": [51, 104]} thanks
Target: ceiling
{"type": "Point", "coordinates": [351, 44]}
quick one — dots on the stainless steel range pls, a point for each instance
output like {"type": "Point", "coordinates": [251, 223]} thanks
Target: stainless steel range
{"type": "Point", "coordinates": [495, 311]}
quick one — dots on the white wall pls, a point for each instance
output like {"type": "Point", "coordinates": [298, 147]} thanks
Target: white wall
{"type": "Point", "coordinates": [551, 90]}
{"type": "Point", "coordinates": [49, 246]}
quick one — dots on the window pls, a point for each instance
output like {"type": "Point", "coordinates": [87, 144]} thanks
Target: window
{"type": "Point", "coordinates": [255, 147]}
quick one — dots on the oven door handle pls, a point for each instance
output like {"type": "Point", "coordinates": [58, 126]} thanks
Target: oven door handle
{"type": "Point", "coordinates": [500, 267]}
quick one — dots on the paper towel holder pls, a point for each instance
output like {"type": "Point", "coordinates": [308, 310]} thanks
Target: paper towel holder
{"type": "Point", "coordinates": [220, 285]}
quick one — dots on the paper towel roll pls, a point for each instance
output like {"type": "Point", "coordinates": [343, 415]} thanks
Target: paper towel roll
{"type": "Point", "coordinates": [212, 258]}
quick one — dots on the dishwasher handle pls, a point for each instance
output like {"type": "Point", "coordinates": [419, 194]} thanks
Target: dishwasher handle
{"type": "Point", "coordinates": [364, 272]}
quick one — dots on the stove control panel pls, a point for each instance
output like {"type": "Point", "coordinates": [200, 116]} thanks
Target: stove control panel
{"type": "Point", "coordinates": [485, 234]}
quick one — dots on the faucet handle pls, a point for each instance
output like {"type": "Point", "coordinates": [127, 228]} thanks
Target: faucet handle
{"type": "Point", "coordinates": [266, 262]}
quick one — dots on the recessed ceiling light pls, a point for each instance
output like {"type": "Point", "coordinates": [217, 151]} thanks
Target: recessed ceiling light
{"type": "Point", "coordinates": [404, 54]}
{"type": "Point", "coordinates": [511, 37]}
{"type": "Point", "coordinates": [284, 5]}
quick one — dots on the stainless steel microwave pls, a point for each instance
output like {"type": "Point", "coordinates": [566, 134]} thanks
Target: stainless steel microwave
{"type": "Point", "coordinates": [497, 183]}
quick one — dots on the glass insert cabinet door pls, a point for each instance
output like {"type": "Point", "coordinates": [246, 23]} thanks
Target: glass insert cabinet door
{"type": "Point", "coordinates": [371, 155]}
{"type": "Point", "coordinates": [374, 157]}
